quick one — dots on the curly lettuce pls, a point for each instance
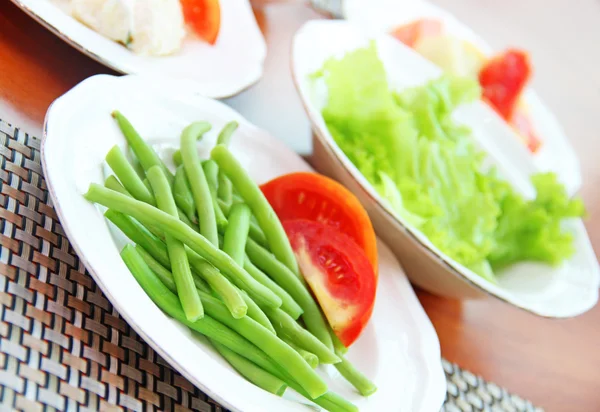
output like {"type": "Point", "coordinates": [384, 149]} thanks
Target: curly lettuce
{"type": "Point", "coordinates": [428, 169]}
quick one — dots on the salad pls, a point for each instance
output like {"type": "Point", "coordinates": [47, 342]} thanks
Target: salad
{"type": "Point", "coordinates": [430, 172]}
{"type": "Point", "coordinates": [150, 27]}
{"type": "Point", "coordinates": [279, 278]}
{"type": "Point", "coordinates": [502, 77]}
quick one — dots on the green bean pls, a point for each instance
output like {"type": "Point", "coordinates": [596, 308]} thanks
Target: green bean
{"type": "Point", "coordinates": [143, 151]}
{"type": "Point", "coordinates": [180, 267]}
{"type": "Point", "coordinates": [139, 235]}
{"type": "Point", "coordinates": [211, 171]}
{"type": "Point", "coordinates": [355, 377]}
{"type": "Point", "coordinates": [197, 180]}
{"type": "Point", "coordinates": [256, 313]}
{"type": "Point", "coordinates": [236, 234]}
{"type": "Point", "coordinates": [177, 159]}
{"type": "Point", "coordinates": [148, 214]}
{"type": "Point", "coordinates": [288, 304]}
{"type": "Point", "coordinates": [225, 189]}
{"type": "Point", "coordinates": [253, 196]}
{"type": "Point", "coordinates": [286, 327]}
{"type": "Point", "coordinates": [227, 131]}
{"type": "Point", "coordinates": [136, 163]}
{"type": "Point", "coordinates": [308, 357]}
{"type": "Point", "coordinates": [231, 296]}
{"type": "Point", "coordinates": [165, 275]}
{"type": "Point", "coordinates": [183, 194]}
{"type": "Point", "coordinates": [255, 231]}
{"type": "Point", "coordinates": [337, 343]}
{"type": "Point", "coordinates": [295, 286]}
{"type": "Point", "coordinates": [285, 356]}
{"type": "Point", "coordinates": [208, 326]}
{"type": "Point", "coordinates": [251, 372]}
{"type": "Point", "coordinates": [127, 175]}
{"type": "Point", "coordinates": [113, 183]}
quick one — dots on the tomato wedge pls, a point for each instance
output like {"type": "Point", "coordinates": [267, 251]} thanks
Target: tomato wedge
{"type": "Point", "coordinates": [318, 198]}
{"type": "Point", "coordinates": [204, 16]}
{"type": "Point", "coordinates": [411, 32]}
{"type": "Point", "coordinates": [503, 78]}
{"type": "Point", "coordinates": [338, 273]}
{"type": "Point", "coordinates": [522, 124]}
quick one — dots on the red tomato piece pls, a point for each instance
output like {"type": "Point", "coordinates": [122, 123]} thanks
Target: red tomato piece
{"type": "Point", "coordinates": [318, 198]}
{"type": "Point", "coordinates": [503, 78]}
{"type": "Point", "coordinates": [411, 32]}
{"type": "Point", "coordinates": [522, 125]}
{"type": "Point", "coordinates": [204, 16]}
{"type": "Point", "coordinates": [338, 273]}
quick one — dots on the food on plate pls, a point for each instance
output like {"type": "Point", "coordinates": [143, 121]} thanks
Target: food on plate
{"type": "Point", "coordinates": [338, 273]}
{"type": "Point", "coordinates": [150, 27]}
{"type": "Point", "coordinates": [204, 17]}
{"type": "Point", "coordinates": [216, 257]}
{"type": "Point", "coordinates": [502, 77]}
{"type": "Point", "coordinates": [315, 197]}
{"type": "Point", "coordinates": [428, 170]}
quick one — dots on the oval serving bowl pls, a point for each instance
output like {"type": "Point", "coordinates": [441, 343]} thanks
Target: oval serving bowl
{"type": "Point", "coordinates": [233, 64]}
{"type": "Point", "coordinates": [399, 349]}
{"type": "Point", "coordinates": [564, 291]}
{"type": "Point", "coordinates": [556, 153]}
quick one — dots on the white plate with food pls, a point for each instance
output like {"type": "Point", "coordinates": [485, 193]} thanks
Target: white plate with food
{"type": "Point", "coordinates": [398, 349]}
{"type": "Point", "coordinates": [217, 52]}
{"type": "Point", "coordinates": [441, 38]}
{"type": "Point", "coordinates": [420, 150]}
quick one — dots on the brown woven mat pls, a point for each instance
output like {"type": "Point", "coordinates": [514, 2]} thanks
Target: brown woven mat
{"type": "Point", "coordinates": [62, 344]}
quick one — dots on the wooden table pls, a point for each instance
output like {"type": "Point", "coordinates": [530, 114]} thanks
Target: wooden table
{"type": "Point", "coordinates": [554, 363]}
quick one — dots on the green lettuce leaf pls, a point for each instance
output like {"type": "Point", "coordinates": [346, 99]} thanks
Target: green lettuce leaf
{"type": "Point", "coordinates": [428, 169]}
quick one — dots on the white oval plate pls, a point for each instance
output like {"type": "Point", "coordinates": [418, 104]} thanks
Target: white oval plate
{"type": "Point", "coordinates": [556, 153]}
{"type": "Point", "coordinates": [564, 291]}
{"type": "Point", "coordinates": [233, 64]}
{"type": "Point", "coordinates": [399, 350]}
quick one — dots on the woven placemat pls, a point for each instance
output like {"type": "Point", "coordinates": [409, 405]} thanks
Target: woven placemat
{"type": "Point", "coordinates": [62, 344]}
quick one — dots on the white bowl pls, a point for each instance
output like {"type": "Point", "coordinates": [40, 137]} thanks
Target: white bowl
{"type": "Point", "coordinates": [233, 64]}
{"type": "Point", "coordinates": [564, 291]}
{"type": "Point", "coordinates": [398, 350]}
{"type": "Point", "coordinates": [556, 153]}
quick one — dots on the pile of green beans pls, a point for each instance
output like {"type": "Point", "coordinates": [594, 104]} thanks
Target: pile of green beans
{"type": "Point", "coordinates": [210, 252]}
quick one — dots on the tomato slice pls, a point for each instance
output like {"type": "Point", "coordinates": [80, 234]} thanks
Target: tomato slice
{"type": "Point", "coordinates": [338, 273]}
{"type": "Point", "coordinates": [522, 124]}
{"type": "Point", "coordinates": [503, 78]}
{"type": "Point", "coordinates": [318, 198]}
{"type": "Point", "coordinates": [411, 32]}
{"type": "Point", "coordinates": [204, 16]}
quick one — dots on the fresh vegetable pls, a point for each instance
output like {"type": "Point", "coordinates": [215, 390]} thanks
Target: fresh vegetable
{"type": "Point", "coordinates": [204, 16]}
{"type": "Point", "coordinates": [214, 287]}
{"type": "Point", "coordinates": [250, 192]}
{"type": "Point", "coordinates": [173, 226]}
{"type": "Point", "coordinates": [315, 197]}
{"type": "Point", "coordinates": [503, 79]}
{"type": "Point", "coordinates": [455, 56]}
{"type": "Point", "coordinates": [428, 169]}
{"type": "Point", "coordinates": [295, 286]}
{"type": "Point", "coordinates": [182, 274]}
{"type": "Point", "coordinates": [411, 32]}
{"type": "Point", "coordinates": [198, 182]}
{"type": "Point", "coordinates": [339, 274]}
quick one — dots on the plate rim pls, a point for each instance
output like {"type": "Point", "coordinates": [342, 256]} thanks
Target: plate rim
{"type": "Point", "coordinates": [424, 329]}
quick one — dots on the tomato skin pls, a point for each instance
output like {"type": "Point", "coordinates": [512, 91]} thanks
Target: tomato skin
{"type": "Point", "coordinates": [410, 33]}
{"type": "Point", "coordinates": [312, 196]}
{"type": "Point", "coordinates": [338, 273]}
{"type": "Point", "coordinates": [204, 16]}
{"type": "Point", "coordinates": [503, 79]}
